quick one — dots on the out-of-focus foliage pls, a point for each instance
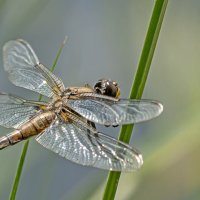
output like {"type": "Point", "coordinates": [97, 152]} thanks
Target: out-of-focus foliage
{"type": "Point", "coordinates": [105, 40]}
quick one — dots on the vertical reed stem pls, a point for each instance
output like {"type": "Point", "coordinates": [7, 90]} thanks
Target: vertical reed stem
{"type": "Point", "coordinates": [138, 84]}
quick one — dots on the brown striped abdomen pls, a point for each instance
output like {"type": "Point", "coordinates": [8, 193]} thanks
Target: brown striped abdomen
{"type": "Point", "coordinates": [33, 127]}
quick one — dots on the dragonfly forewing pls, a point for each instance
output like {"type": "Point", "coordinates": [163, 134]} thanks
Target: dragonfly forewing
{"type": "Point", "coordinates": [123, 111]}
{"type": "Point", "coordinates": [25, 70]}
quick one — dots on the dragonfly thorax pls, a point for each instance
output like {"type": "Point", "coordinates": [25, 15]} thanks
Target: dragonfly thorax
{"type": "Point", "coordinates": [75, 92]}
{"type": "Point", "coordinates": [57, 105]}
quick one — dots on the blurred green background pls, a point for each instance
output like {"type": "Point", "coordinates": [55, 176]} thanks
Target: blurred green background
{"type": "Point", "coordinates": [105, 39]}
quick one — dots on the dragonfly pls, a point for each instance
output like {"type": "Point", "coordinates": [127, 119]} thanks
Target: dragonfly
{"type": "Point", "coordinates": [66, 124]}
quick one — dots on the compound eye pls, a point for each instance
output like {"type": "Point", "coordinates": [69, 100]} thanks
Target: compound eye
{"type": "Point", "coordinates": [111, 90]}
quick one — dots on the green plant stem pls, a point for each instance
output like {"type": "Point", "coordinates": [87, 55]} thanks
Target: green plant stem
{"type": "Point", "coordinates": [25, 147]}
{"type": "Point", "coordinates": [138, 84]}
{"type": "Point", "coordinates": [19, 170]}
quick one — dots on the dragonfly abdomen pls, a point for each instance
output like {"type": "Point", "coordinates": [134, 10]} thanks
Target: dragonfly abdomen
{"type": "Point", "coordinates": [33, 127]}
{"type": "Point", "coordinates": [37, 124]}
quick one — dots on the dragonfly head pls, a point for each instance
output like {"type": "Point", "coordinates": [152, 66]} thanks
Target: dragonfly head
{"type": "Point", "coordinates": [107, 87]}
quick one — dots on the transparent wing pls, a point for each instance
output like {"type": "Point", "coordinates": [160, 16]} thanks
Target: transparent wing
{"type": "Point", "coordinates": [24, 69]}
{"type": "Point", "coordinates": [15, 111]}
{"type": "Point", "coordinates": [116, 112]}
{"type": "Point", "coordinates": [77, 143]}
